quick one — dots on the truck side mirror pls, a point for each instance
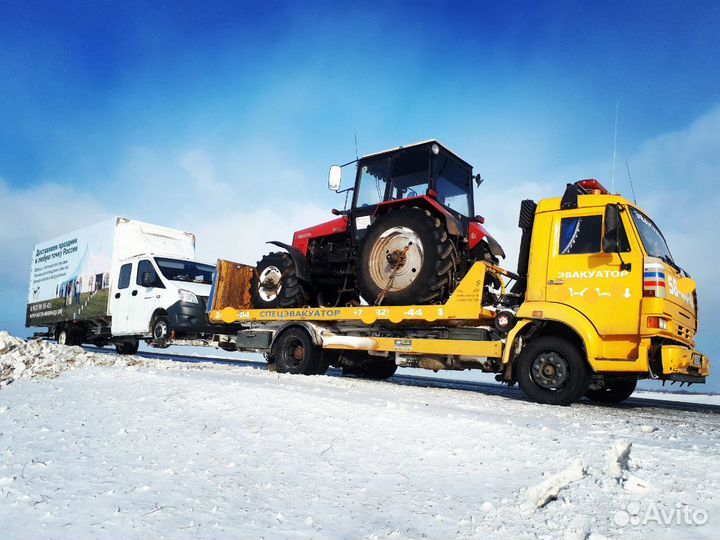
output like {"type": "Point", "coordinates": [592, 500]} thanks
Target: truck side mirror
{"type": "Point", "coordinates": [147, 280]}
{"type": "Point", "coordinates": [611, 234]}
{"type": "Point", "coordinates": [335, 178]}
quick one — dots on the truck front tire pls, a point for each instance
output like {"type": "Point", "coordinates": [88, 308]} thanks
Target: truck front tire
{"type": "Point", "coordinates": [552, 370]}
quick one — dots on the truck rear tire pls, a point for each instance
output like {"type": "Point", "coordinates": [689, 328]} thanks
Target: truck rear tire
{"type": "Point", "coordinates": [614, 391]}
{"type": "Point", "coordinates": [379, 370]}
{"type": "Point", "coordinates": [416, 243]}
{"type": "Point", "coordinates": [276, 284]}
{"type": "Point", "coordinates": [552, 370]}
{"type": "Point", "coordinates": [294, 352]}
{"type": "Point", "coordinates": [127, 347]}
{"type": "Point", "coordinates": [68, 335]}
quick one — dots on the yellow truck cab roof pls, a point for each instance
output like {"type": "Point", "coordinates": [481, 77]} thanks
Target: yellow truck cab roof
{"type": "Point", "coordinates": [584, 201]}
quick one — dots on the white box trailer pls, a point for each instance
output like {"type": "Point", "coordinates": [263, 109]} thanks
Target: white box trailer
{"type": "Point", "coordinates": [119, 281]}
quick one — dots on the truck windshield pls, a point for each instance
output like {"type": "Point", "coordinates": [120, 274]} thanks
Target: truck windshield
{"type": "Point", "coordinates": [177, 270]}
{"type": "Point", "coordinates": [652, 238]}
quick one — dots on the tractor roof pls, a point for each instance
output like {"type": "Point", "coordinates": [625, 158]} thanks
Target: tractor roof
{"type": "Point", "coordinates": [422, 143]}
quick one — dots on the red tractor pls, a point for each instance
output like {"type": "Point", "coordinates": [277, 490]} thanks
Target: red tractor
{"type": "Point", "coordinates": [409, 236]}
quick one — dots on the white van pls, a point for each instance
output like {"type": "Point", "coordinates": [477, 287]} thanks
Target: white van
{"type": "Point", "coordinates": [120, 281]}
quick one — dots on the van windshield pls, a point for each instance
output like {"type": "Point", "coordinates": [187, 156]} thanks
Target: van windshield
{"type": "Point", "coordinates": [177, 270]}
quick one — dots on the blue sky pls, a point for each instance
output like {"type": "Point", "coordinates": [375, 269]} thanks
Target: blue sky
{"type": "Point", "coordinates": [217, 117]}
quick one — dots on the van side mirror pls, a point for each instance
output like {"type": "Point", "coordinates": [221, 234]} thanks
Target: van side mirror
{"type": "Point", "coordinates": [147, 280]}
{"type": "Point", "coordinates": [335, 178]}
{"type": "Point", "coordinates": [611, 234]}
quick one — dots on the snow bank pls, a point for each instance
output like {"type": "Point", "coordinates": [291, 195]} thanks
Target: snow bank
{"type": "Point", "coordinates": [21, 359]}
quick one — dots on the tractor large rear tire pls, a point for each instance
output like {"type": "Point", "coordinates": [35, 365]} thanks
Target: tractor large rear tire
{"type": "Point", "coordinates": [428, 257]}
{"type": "Point", "coordinates": [276, 284]}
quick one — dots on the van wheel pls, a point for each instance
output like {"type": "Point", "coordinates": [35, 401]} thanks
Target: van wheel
{"type": "Point", "coordinates": [127, 347]}
{"type": "Point", "coordinates": [294, 352]}
{"type": "Point", "coordinates": [161, 332]}
{"type": "Point", "coordinates": [552, 370]}
{"type": "Point", "coordinates": [614, 391]}
{"type": "Point", "coordinates": [63, 337]}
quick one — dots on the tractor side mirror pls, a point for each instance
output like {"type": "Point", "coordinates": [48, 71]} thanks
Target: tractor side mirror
{"type": "Point", "coordinates": [335, 178]}
{"type": "Point", "coordinates": [478, 179]}
{"type": "Point", "coordinates": [611, 235]}
{"type": "Point", "coordinates": [147, 280]}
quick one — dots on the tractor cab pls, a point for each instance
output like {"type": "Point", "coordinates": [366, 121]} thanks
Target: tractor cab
{"type": "Point", "coordinates": [426, 173]}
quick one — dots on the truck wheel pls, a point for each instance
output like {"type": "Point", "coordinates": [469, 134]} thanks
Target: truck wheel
{"type": "Point", "coordinates": [161, 332]}
{"type": "Point", "coordinates": [127, 347]}
{"type": "Point", "coordinates": [294, 352]}
{"type": "Point", "coordinates": [614, 391]}
{"type": "Point", "coordinates": [552, 370]}
{"type": "Point", "coordinates": [63, 337]}
{"type": "Point", "coordinates": [413, 244]}
{"type": "Point", "coordinates": [379, 370]}
{"type": "Point", "coordinates": [276, 285]}
{"type": "Point", "coordinates": [67, 335]}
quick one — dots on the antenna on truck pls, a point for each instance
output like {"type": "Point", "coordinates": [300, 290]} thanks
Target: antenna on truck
{"type": "Point", "coordinates": [631, 183]}
{"type": "Point", "coordinates": [612, 183]}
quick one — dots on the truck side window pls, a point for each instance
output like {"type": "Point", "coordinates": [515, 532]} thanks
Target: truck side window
{"type": "Point", "coordinates": [124, 277]}
{"type": "Point", "coordinates": [580, 235]}
{"type": "Point", "coordinates": [146, 266]}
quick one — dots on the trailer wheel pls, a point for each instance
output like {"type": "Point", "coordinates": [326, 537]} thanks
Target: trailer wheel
{"type": "Point", "coordinates": [160, 331]}
{"type": "Point", "coordinates": [294, 352]}
{"type": "Point", "coordinates": [552, 370]}
{"type": "Point", "coordinates": [276, 284]}
{"type": "Point", "coordinates": [407, 257]}
{"type": "Point", "coordinates": [127, 347]}
{"type": "Point", "coordinates": [614, 391]}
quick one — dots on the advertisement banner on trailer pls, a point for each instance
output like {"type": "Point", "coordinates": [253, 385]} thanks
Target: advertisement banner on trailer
{"type": "Point", "coordinates": [70, 276]}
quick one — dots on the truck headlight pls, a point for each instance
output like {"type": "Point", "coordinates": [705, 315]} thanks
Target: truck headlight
{"type": "Point", "coordinates": [187, 296]}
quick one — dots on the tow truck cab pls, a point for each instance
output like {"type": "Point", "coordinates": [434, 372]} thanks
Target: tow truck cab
{"type": "Point", "coordinates": [598, 264]}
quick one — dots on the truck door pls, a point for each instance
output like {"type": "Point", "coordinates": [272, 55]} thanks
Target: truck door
{"type": "Point", "coordinates": [147, 299]}
{"type": "Point", "coordinates": [122, 301]}
{"type": "Point", "coordinates": [581, 276]}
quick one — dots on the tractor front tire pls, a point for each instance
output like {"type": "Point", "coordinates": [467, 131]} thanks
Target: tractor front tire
{"type": "Point", "coordinates": [414, 244]}
{"type": "Point", "coordinates": [276, 284]}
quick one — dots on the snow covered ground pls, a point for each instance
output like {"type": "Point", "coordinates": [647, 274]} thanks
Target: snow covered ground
{"type": "Point", "coordinates": [138, 448]}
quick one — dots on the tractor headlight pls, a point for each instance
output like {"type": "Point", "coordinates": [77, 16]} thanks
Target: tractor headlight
{"type": "Point", "coordinates": [187, 296]}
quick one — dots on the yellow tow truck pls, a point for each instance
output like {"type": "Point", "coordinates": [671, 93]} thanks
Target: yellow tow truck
{"type": "Point", "coordinates": [597, 303]}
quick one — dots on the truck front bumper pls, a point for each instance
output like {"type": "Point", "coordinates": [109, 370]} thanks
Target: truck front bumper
{"type": "Point", "coordinates": [190, 320]}
{"type": "Point", "coordinates": [683, 364]}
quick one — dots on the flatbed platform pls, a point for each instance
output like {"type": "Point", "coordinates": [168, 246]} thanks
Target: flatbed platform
{"type": "Point", "coordinates": [229, 303]}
